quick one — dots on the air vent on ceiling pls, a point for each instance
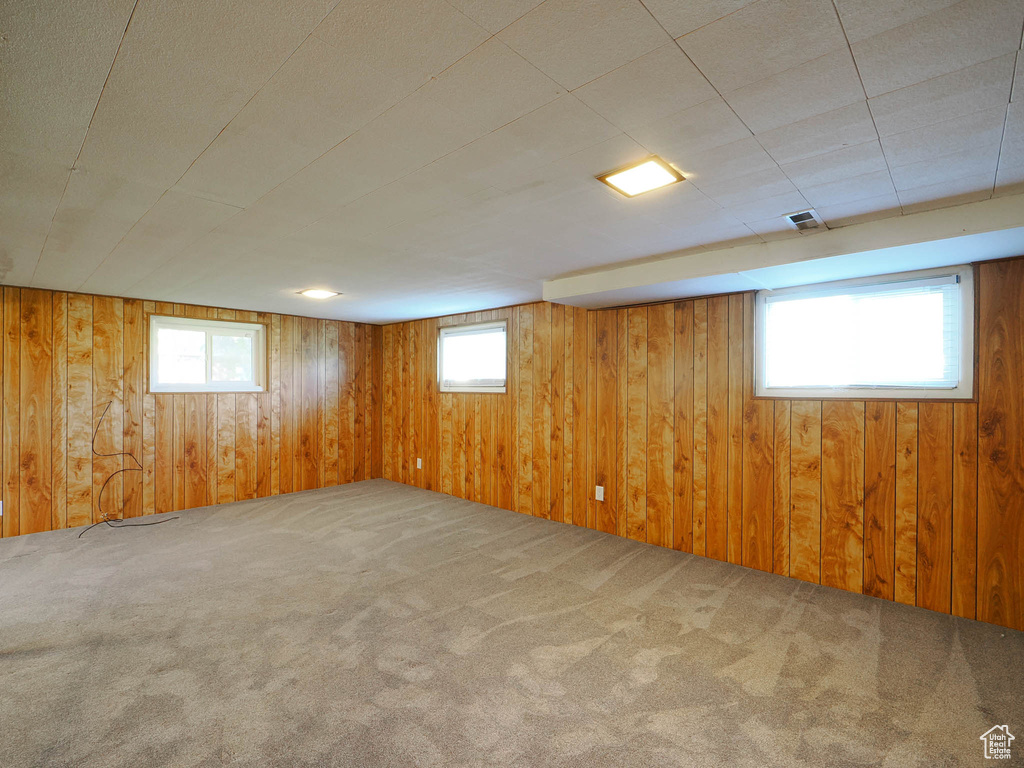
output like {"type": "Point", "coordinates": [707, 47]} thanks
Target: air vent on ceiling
{"type": "Point", "coordinates": [804, 220]}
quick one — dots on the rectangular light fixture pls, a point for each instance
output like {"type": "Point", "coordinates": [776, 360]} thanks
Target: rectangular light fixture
{"type": "Point", "coordinates": [652, 173]}
{"type": "Point", "coordinates": [318, 293]}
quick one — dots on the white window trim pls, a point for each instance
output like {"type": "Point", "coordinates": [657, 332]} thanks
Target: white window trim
{"type": "Point", "coordinates": [459, 330]}
{"type": "Point", "coordinates": [211, 327]}
{"type": "Point", "coordinates": [963, 391]}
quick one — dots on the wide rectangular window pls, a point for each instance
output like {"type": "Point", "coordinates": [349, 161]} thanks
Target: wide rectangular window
{"type": "Point", "coordinates": [908, 335]}
{"type": "Point", "coordinates": [192, 355]}
{"type": "Point", "coordinates": [473, 358]}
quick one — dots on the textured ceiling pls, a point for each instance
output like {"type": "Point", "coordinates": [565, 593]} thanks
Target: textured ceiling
{"type": "Point", "coordinates": [427, 157]}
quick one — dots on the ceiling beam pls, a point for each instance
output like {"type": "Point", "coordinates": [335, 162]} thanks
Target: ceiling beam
{"type": "Point", "coordinates": [993, 228]}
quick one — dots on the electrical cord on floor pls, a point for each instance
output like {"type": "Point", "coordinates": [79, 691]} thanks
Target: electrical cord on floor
{"type": "Point", "coordinates": [107, 520]}
{"type": "Point", "coordinates": [110, 523]}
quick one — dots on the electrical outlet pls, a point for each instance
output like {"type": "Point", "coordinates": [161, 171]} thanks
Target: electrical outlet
{"type": "Point", "coordinates": [419, 463]}
{"type": "Point", "coordinates": [599, 492]}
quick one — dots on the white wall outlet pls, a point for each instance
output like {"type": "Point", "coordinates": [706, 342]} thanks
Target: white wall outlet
{"type": "Point", "coordinates": [599, 492]}
{"type": "Point", "coordinates": [419, 463]}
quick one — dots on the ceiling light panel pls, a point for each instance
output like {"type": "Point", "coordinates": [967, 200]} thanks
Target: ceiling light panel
{"type": "Point", "coordinates": [650, 174]}
{"type": "Point", "coordinates": [318, 293]}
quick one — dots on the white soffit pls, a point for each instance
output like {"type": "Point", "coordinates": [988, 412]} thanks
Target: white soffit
{"type": "Point", "coordinates": [990, 229]}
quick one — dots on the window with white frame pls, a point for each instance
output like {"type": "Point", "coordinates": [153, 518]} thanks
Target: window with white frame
{"type": "Point", "coordinates": [473, 358]}
{"type": "Point", "coordinates": [192, 355]}
{"type": "Point", "coordinates": [907, 335]}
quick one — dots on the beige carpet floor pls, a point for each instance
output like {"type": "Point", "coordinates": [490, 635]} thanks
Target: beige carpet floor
{"type": "Point", "coordinates": [380, 625]}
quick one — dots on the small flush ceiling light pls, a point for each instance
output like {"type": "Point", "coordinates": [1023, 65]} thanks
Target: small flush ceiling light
{"type": "Point", "coordinates": [633, 180]}
{"type": "Point", "coordinates": [318, 293]}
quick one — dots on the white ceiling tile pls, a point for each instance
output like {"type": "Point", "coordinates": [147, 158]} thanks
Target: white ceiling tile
{"type": "Point", "coordinates": [836, 166]}
{"type": "Point", "coordinates": [657, 85]}
{"type": "Point", "coordinates": [98, 209]}
{"type": "Point", "coordinates": [866, 18]}
{"type": "Point", "coordinates": [959, 93]}
{"type": "Point", "coordinates": [492, 84]}
{"type": "Point", "coordinates": [947, 169]}
{"type": "Point", "coordinates": [967, 189]}
{"type": "Point", "coordinates": [747, 188]}
{"type": "Point", "coordinates": [726, 162]}
{"type": "Point", "coordinates": [849, 190]}
{"type": "Point", "coordinates": [495, 15]}
{"type": "Point", "coordinates": [680, 17]}
{"type": "Point", "coordinates": [691, 132]}
{"type": "Point", "coordinates": [243, 165]}
{"type": "Point", "coordinates": [763, 39]}
{"type": "Point", "coordinates": [950, 39]}
{"type": "Point", "coordinates": [362, 163]}
{"type": "Point", "coordinates": [307, 101]}
{"type": "Point", "coordinates": [31, 188]}
{"type": "Point", "coordinates": [410, 40]}
{"type": "Point", "coordinates": [822, 85]}
{"type": "Point", "coordinates": [843, 127]}
{"type": "Point", "coordinates": [923, 145]}
{"type": "Point", "coordinates": [182, 73]}
{"type": "Point", "coordinates": [860, 211]}
{"type": "Point", "coordinates": [176, 221]}
{"type": "Point", "coordinates": [576, 41]}
{"type": "Point", "coordinates": [54, 57]}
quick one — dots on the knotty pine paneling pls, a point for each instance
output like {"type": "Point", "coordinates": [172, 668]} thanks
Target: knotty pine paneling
{"type": "Point", "coordinates": [921, 503]}
{"type": "Point", "coordinates": [83, 437]}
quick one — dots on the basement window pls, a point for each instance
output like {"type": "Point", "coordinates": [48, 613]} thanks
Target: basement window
{"type": "Point", "coordinates": [473, 358]}
{"type": "Point", "coordinates": [908, 335]}
{"type": "Point", "coordinates": [192, 355]}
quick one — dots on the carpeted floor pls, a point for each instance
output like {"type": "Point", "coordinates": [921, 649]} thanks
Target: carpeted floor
{"type": "Point", "coordinates": [380, 625]}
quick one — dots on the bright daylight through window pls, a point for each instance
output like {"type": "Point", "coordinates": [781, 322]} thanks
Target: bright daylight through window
{"type": "Point", "coordinates": [907, 335]}
{"type": "Point", "coordinates": [190, 355]}
{"type": "Point", "coordinates": [473, 358]}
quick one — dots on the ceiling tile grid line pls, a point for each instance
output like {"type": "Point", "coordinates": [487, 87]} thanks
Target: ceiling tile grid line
{"type": "Point", "coordinates": [85, 137]}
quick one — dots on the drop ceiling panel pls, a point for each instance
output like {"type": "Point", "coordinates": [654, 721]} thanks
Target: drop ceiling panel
{"type": "Point", "coordinates": [957, 94]}
{"type": "Point", "coordinates": [412, 40]}
{"type": "Point", "coordinates": [46, 100]}
{"type": "Point", "coordinates": [945, 41]}
{"type": "Point", "coordinates": [813, 88]}
{"type": "Point", "coordinates": [682, 138]}
{"type": "Point", "coordinates": [774, 35]}
{"type": "Point", "coordinates": [176, 221]}
{"type": "Point", "coordinates": [832, 131]}
{"type": "Point", "coordinates": [576, 41]}
{"type": "Point", "coordinates": [494, 15]}
{"type": "Point", "coordinates": [97, 210]}
{"type": "Point", "coordinates": [680, 17]}
{"type": "Point", "coordinates": [835, 166]}
{"type": "Point", "coordinates": [494, 84]}
{"type": "Point", "coordinates": [652, 87]}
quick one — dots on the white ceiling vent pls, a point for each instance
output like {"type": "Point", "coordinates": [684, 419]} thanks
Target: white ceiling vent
{"type": "Point", "coordinates": [804, 220]}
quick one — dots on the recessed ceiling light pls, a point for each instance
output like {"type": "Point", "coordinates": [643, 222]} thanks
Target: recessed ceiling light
{"type": "Point", "coordinates": [633, 180]}
{"type": "Point", "coordinates": [318, 293]}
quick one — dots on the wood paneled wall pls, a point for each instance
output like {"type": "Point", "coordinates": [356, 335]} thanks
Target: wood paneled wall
{"type": "Point", "coordinates": [74, 365]}
{"type": "Point", "coordinates": [918, 502]}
